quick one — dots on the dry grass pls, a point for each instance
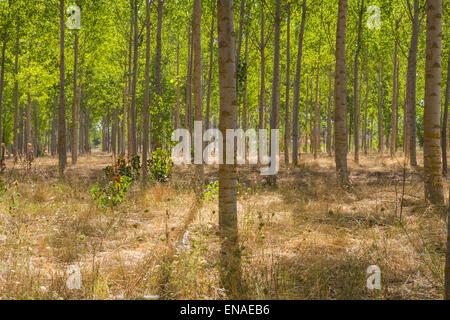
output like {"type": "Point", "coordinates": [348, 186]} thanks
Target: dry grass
{"type": "Point", "coordinates": [305, 239]}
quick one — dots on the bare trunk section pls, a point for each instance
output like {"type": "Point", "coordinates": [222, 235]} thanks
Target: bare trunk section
{"type": "Point", "coordinates": [316, 135]}
{"type": "Point", "coordinates": [197, 46]}
{"type": "Point", "coordinates": [145, 145]}
{"type": "Point", "coordinates": [275, 111]}
{"type": "Point", "coordinates": [340, 99]}
{"type": "Point", "coordinates": [2, 77]}
{"type": "Point", "coordinates": [177, 110]}
{"type": "Point", "coordinates": [132, 144]}
{"type": "Point", "coordinates": [228, 220]}
{"type": "Point", "coordinates": [262, 91]}
{"type": "Point", "coordinates": [380, 110]}
{"type": "Point", "coordinates": [245, 94]}
{"type": "Point", "coordinates": [75, 123]}
{"type": "Point", "coordinates": [329, 125]}
{"type": "Point", "coordinates": [444, 131]}
{"type": "Point", "coordinates": [296, 97]}
{"type": "Point", "coordinates": [394, 103]}
{"type": "Point", "coordinates": [210, 73]}
{"type": "Point", "coordinates": [434, 191]}
{"type": "Point", "coordinates": [287, 134]}
{"type": "Point", "coordinates": [62, 97]}
{"type": "Point", "coordinates": [156, 132]}
{"type": "Point", "coordinates": [356, 105]}
{"type": "Point", "coordinates": [16, 99]}
{"type": "Point", "coordinates": [411, 88]}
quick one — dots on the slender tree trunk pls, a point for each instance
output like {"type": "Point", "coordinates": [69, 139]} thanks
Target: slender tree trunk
{"type": "Point", "coordinates": [239, 43]}
{"type": "Point", "coordinates": [380, 111]}
{"type": "Point", "coordinates": [21, 130]}
{"type": "Point", "coordinates": [210, 73]}
{"type": "Point", "coordinates": [365, 104]}
{"type": "Point", "coordinates": [145, 146]}
{"type": "Point", "coordinates": [156, 132]}
{"type": "Point", "coordinates": [306, 114]}
{"type": "Point", "coordinates": [35, 131]}
{"type": "Point", "coordinates": [16, 98]}
{"type": "Point", "coordinates": [411, 88]}
{"type": "Point", "coordinates": [394, 103]}
{"type": "Point", "coordinates": [287, 134]}
{"type": "Point", "coordinates": [356, 105]}
{"type": "Point", "coordinates": [329, 125]}
{"type": "Point", "coordinates": [228, 220]}
{"type": "Point", "coordinates": [188, 105]}
{"type": "Point", "coordinates": [75, 104]}
{"type": "Point", "coordinates": [177, 111]}
{"type": "Point", "coordinates": [263, 73]}
{"type": "Point", "coordinates": [275, 111]}
{"type": "Point", "coordinates": [133, 142]}
{"type": "Point", "coordinates": [62, 97]}
{"type": "Point", "coordinates": [197, 46]}
{"type": "Point", "coordinates": [445, 122]}
{"type": "Point", "coordinates": [340, 96]}
{"type": "Point", "coordinates": [296, 97]}
{"type": "Point", "coordinates": [316, 135]}
{"type": "Point", "coordinates": [245, 94]}
{"type": "Point", "coordinates": [53, 143]}
{"type": "Point", "coordinates": [2, 77]}
{"type": "Point", "coordinates": [434, 192]}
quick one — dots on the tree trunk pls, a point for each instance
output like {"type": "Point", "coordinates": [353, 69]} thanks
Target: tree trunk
{"type": "Point", "coordinates": [16, 99]}
{"type": "Point", "coordinates": [380, 111]}
{"type": "Point", "coordinates": [157, 132]}
{"type": "Point", "coordinates": [434, 192]}
{"type": "Point", "coordinates": [239, 43]}
{"type": "Point", "coordinates": [211, 62]}
{"type": "Point", "coordinates": [188, 104]}
{"type": "Point", "coordinates": [62, 97]}
{"type": "Point", "coordinates": [228, 220]}
{"type": "Point", "coordinates": [365, 104]}
{"type": "Point", "coordinates": [75, 123]}
{"type": "Point", "coordinates": [35, 132]}
{"type": "Point", "coordinates": [275, 111]}
{"type": "Point", "coordinates": [145, 146]}
{"type": "Point", "coordinates": [53, 143]}
{"type": "Point", "coordinates": [245, 94]}
{"type": "Point", "coordinates": [411, 88]}
{"type": "Point", "coordinates": [177, 111]}
{"type": "Point", "coordinates": [445, 122]}
{"type": "Point", "coordinates": [340, 97]}
{"type": "Point", "coordinates": [316, 135]}
{"type": "Point", "coordinates": [196, 31]}
{"type": "Point", "coordinates": [394, 103]}
{"type": "Point", "coordinates": [2, 77]}
{"type": "Point", "coordinates": [287, 134]}
{"type": "Point", "coordinates": [132, 144]}
{"type": "Point", "coordinates": [263, 73]}
{"type": "Point", "coordinates": [306, 114]}
{"type": "Point", "coordinates": [329, 125]}
{"type": "Point", "coordinates": [296, 97]}
{"type": "Point", "coordinates": [356, 105]}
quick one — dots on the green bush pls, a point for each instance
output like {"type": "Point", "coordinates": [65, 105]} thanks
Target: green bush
{"type": "Point", "coordinates": [160, 165]}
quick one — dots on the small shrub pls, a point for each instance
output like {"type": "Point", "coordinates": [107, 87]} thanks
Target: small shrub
{"type": "Point", "coordinates": [121, 175]}
{"type": "Point", "coordinates": [160, 165]}
{"type": "Point", "coordinates": [211, 191]}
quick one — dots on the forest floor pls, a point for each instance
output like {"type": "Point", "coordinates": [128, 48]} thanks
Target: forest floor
{"type": "Point", "coordinates": [304, 239]}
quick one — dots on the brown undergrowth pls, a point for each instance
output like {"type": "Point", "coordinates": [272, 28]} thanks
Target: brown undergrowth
{"type": "Point", "coordinates": [304, 239]}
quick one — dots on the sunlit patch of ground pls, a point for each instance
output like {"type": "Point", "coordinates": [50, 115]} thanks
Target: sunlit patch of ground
{"type": "Point", "coordinates": [304, 239]}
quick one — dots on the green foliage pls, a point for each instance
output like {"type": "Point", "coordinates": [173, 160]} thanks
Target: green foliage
{"type": "Point", "coordinates": [211, 191]}
{"type": "Point", "coordinates": [160, 165]}
{"type": "Point", "coordinates": [120, 177]}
